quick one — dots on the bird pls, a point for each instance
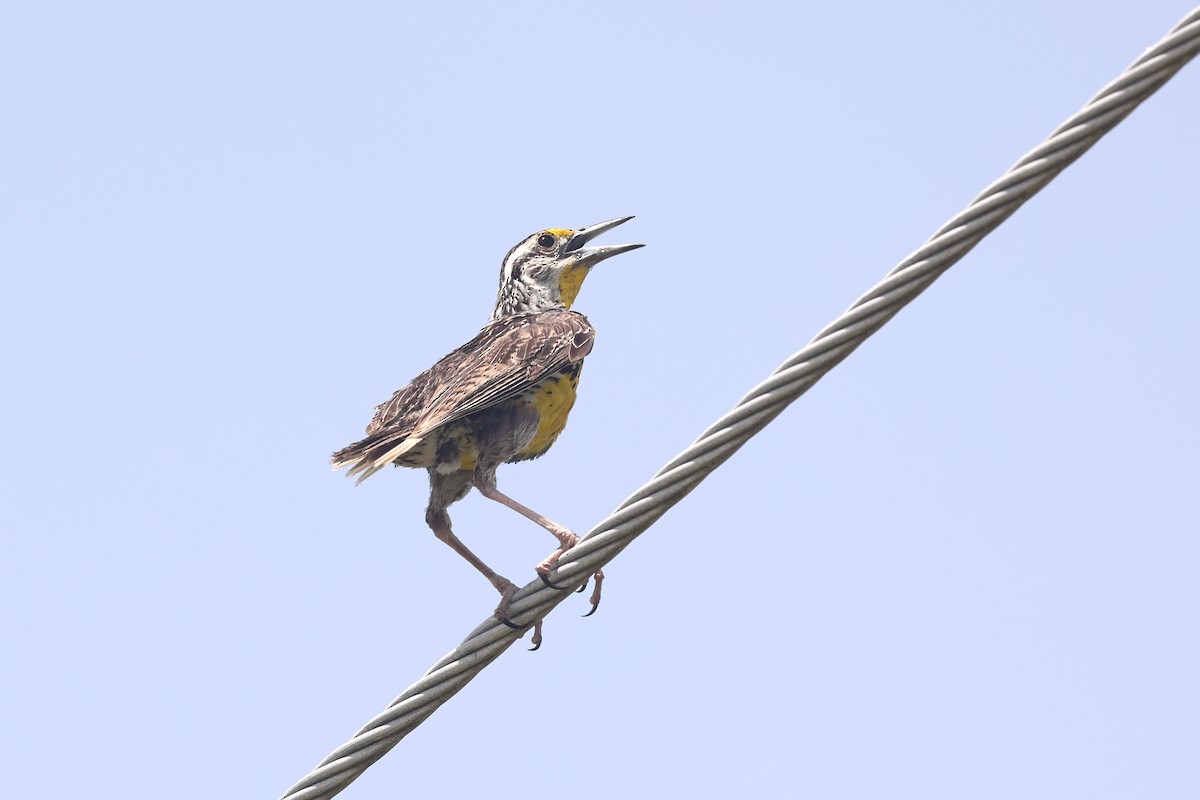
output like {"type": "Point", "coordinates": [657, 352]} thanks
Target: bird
{"type": "Point", "coordinates": [503, 397]}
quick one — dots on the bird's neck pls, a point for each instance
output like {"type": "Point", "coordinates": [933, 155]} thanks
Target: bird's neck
{"type": "Point", "coordinates": [523, 298]}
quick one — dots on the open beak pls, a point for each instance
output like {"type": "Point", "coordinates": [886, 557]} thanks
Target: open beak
{"type": "Point", "coordinates": [590, 256]}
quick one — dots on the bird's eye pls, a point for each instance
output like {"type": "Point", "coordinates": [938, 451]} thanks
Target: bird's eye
{"type": "Point", "coordinates": [545, 240]}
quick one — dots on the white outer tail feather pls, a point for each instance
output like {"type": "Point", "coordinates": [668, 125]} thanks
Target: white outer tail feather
{"type": "Point", "coordinates": [369, 468]}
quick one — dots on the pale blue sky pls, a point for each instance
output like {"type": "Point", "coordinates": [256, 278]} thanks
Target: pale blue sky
{"type": "Point", "coordinates": [964, 565]}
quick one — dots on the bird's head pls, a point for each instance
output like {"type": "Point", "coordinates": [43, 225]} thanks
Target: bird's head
{"type": "Point", "coordinates": [547, 268]}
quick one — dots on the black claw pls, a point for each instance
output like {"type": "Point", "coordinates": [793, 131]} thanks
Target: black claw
{"type": "Point", "coordinates": [546, 581]}
{"type": "Point", "coordinates": [514, 625]}
{"type": "Point", "coordinates": [593, 611]}
{"type": "Point", "coordinates": [581, 588]}
{"type": "Point", "coordinates": [535, 647]}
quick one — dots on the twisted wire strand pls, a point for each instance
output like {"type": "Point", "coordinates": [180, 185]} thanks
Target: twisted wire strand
{"type": "Point", "coordinates": [794, 377]}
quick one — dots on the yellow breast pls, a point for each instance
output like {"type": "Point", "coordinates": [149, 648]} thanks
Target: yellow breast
{"type": "Point", "coordinates": [553, 399]}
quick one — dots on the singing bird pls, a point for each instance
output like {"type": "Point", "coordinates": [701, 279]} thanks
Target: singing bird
{"type": "Point", "coordinates": [502, 397]}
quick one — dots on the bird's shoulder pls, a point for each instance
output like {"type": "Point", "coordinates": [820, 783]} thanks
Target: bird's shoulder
{"type": "Point", "coordinates": [532, 339]}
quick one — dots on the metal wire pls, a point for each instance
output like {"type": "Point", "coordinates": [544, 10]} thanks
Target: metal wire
{"type": "Point", "coordinates": [794, 377]}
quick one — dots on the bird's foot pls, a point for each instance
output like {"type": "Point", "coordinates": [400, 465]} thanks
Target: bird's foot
{"type": "Point", "coordinates": [566, 538]}
{"type": "Point", "coordinates": [595, 598]}
{"type": "Point", "coordinates": [546, 580]}
{"type": "Point", "coordinates": [536, 641]}
{"type": "Point", "coordinates": [544, 569]}
{"type": "Point", "coordinates": [507, 590]}
{"type": "Point", "coordinates": [546, 566]}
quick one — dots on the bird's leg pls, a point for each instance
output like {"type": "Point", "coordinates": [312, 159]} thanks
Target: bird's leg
{"type": "Point", "coordinates": [444, 490]}
{"type": "Point", "coordinates": [507, 434]}
{"type": "Point", "coordinates": [439, 521]}
{"type": "Point", "coordinates": [566, 538]}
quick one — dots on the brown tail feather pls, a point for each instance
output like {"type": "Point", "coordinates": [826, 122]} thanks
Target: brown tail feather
{"type": "Point", "coordinates": [368, 456]}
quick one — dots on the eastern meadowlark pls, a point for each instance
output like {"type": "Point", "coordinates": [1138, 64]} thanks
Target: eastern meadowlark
{"type": "Point", "coordinates": [502, 397]}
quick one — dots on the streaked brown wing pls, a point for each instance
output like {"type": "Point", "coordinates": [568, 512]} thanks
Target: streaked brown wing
{"type": "Point", "coordinates": [505, 363]}
{"type": "Point", "coordinates": [406, 406]}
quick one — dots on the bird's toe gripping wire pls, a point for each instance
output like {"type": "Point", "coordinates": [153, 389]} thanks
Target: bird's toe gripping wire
{"type": "Point", "coordinates": [507, 591]}
{"type": "Point", "coordinates": [536, 641]}
{"type": "Point", "coordinates": [546, 566]}
{"type": "Point", "coordinates": [567, 540]}
{"type": "Point", "coordinates": [594, 599]}
{"type": "Point", "coordinates": [546, 580]}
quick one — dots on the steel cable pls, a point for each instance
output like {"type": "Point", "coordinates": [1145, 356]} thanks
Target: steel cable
{"type": "Point", "coordinates": [794, 377]}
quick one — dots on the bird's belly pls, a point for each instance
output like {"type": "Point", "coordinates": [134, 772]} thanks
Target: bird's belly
{"type": "Point", "coordinates": [552, 399]}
